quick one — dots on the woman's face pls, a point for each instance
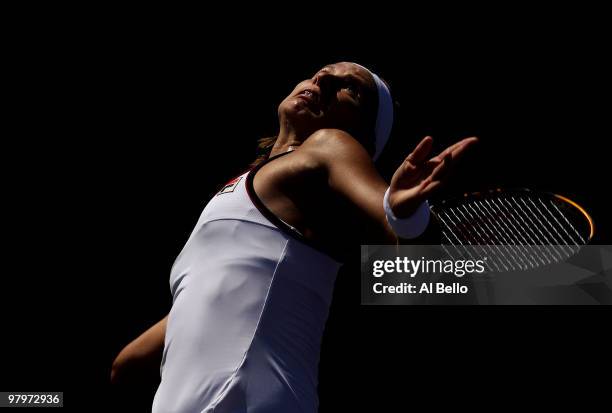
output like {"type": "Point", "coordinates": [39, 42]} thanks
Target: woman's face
{"type": "Point", "coordinates": [341, 96]}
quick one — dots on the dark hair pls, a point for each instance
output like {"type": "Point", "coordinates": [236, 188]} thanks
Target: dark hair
{"type": "Point", "coordinates": [264, 147]}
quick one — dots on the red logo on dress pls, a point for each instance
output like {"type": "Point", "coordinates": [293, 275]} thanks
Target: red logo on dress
{"type": "Point", "coordinates": [230, 186]}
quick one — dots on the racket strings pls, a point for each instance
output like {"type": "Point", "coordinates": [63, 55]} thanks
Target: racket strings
{"type": "Point", "coordinates": [516, 231]}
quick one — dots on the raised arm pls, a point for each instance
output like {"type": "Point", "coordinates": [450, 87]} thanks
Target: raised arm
{"type": "Point", "coordinates": [142, 357]}
{"type": "Point", "coordinates": [352, 174]}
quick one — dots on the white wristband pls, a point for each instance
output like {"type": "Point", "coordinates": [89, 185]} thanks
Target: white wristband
{"type": "Point", "coordinates": [410, 227]}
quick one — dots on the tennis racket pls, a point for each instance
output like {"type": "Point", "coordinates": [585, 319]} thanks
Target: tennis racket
{"type": "Point", "coordinates": [519, 229]}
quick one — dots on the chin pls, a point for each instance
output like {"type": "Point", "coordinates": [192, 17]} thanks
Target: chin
{"type": "Point", "coordinates": [297, 111]}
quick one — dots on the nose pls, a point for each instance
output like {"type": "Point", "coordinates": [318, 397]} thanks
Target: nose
{"type": "Point", "coordinates": [325, 83]}
{"type": "Point", "coordinates": [321, 77]}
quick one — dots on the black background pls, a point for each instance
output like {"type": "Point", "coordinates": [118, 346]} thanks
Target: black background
{"type": "Point", "coordinates": [122, 133]}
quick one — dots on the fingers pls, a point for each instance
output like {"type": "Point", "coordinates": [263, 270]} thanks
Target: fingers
{"type": "Point", "coordinates": [436, 179]}
{"type": "Point", "coordinates": [461, 149]}
{"type": "Point", "coordinates": [438, 168]}
{"type": "Point", "coordinates": [421, 152]}
{"type": "Point", "coordinates": [439, 173]}
{"type": "Point", "coordinates": [431, 188]}
{"type": "Point", "coordinates": [457, 148]}
{"type": "Point", "coordinates": [442, 169]}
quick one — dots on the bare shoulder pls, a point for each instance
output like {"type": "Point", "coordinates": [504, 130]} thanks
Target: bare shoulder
{"type": "Point", "coordinates": [335, 145]}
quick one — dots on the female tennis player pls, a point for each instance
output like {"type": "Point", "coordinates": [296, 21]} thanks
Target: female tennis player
{"type": "Point", "coordinates": [252, 286]}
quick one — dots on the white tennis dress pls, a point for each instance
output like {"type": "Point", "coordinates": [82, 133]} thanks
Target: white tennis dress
{"type": "Point", "coordinates": [250, 302]}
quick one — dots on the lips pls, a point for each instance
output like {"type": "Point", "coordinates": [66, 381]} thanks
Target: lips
{"type": "Point", "coordinates": [310, 96]}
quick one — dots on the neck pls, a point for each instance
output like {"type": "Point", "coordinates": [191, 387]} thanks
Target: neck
{"type": "Point", "coordinates": [287, 140]}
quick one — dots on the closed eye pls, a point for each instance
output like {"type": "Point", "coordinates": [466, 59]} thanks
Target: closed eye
{"type": "Point", "coordinates": [351, 87]}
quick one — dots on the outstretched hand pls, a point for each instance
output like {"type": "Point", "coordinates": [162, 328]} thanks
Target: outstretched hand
{"type": "Point", "coordinates": [417, 178]}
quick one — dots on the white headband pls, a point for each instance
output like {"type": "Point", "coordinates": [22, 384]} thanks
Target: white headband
{"type": "Point", "coordinates": [384, 116]}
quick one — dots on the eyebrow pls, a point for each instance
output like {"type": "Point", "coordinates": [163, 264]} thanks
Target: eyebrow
{"type": "Point", "coordinates": [353, 77]}
{"type": "Point", "coordinates": [361, 80]}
